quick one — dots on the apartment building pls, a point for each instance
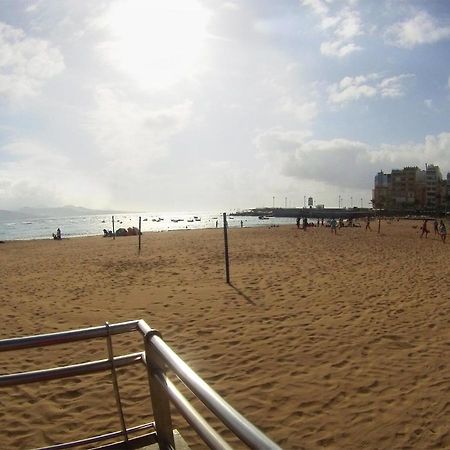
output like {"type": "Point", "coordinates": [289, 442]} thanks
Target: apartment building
{"type": "Point", "coordinates": [411, 188]}
{"type": "Point", "coordinates": [433, 186]}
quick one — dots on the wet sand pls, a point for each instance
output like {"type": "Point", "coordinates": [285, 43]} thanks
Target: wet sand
{"type": "Point", "coordinates": [322, 341]}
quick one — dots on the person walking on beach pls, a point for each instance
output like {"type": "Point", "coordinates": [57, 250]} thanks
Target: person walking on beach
{"type": "Point", "coordinates": [436, 227]}
{"type": "Point", "coordinates": [443, 231]}
{"type": "Point", "coordinates": [424, 229]}
{"type": "Point", "coordinates": [298, 223]}
{"type": "Point", "coordinates": [368, 224]}
{"type": "Point", "coordinates": [305, 224]}
{"type": "Point", "coordinates": [333, 226]}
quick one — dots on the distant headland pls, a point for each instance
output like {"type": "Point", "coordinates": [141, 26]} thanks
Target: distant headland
{"type": "Point", "coordinates": [62, 211]}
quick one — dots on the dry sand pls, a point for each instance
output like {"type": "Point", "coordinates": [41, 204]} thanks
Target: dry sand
{"type": "Point", "coordinates": [323, 341]}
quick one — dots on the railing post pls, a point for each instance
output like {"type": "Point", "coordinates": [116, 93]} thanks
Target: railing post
{"type": "Point", "coordinates": [159, 397]}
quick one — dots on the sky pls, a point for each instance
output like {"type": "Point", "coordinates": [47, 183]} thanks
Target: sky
{"type": "Point", "coordinates": [180, 105]}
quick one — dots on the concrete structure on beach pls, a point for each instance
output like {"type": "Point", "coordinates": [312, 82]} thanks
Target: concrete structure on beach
{"type": "Point", "coordinates": [412, 189]}
{"type": "Point", "coordinates": [314, 213]}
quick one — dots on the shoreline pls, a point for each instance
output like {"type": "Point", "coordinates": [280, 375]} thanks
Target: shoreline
{"type": "Point", "coordinates": [233, 224]}
{"type": "Point", "coordinates": [87, 236]}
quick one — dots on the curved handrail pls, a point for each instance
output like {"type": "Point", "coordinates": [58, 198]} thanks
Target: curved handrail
{"type": "Point", "coordinates": [157, 356]}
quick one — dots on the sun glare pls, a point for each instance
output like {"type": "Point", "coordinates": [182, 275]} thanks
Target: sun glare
{"type": "Point", "coordinates": [157, 42]}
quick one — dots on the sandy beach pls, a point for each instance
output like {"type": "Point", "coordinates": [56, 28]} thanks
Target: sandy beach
{"type": "Point", "coordinates": [322, 341]}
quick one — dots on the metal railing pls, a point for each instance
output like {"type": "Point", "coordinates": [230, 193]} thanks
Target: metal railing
{"type": "Point", "coordinates": [157, 356]}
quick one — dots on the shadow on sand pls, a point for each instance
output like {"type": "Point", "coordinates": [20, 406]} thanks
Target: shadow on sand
{"type": "Point", "coordinates": [249, 300]}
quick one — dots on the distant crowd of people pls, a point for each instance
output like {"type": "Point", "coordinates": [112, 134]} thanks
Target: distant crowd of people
{"type": "Point", "coordinates": [438, 226]}
{"type": "Point", "coordinates": [333, 224]}
{"type": "Point", "coordinates": [439, 229]}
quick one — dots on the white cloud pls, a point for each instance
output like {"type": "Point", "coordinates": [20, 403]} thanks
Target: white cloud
{"type": "Point", "coordinates": [130, 133]}
{"type": "Point", "coordinates": [318, 6]}
{"type": "Point", "coordinates": [22, 183]}
{"type": "Point", "coordinates": [354, 88]}
{"type": "Point", "coordinates": [283, 92]}
{"type": "Point", "coordinates": [25, 63]}
{"type": "Point", "coordinates": [277, 140]}
{"type": "Point", "coordinates": [303, 111]}
{"type": "Point", "coordinates": [349, 25]}
{"type": "Point", "coordinates": [232, 6]}
{"type": "Point", "coordinates": [342, 26]}
{"type": "Point", "coordinates": [345, 163]}
{"type": "Point", "coordinates": [338, 48]}
{"type": "Point", "coordinates": [394, 86]}
{"type": "Point", "coordinates": [417, 30]}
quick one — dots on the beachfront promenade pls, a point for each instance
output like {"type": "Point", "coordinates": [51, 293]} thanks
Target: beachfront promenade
{"type": "Point", "coordinates": [333, 213]}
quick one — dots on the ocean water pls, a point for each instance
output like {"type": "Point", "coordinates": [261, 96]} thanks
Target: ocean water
{"type": "Point", "coordinates": [93, 225]}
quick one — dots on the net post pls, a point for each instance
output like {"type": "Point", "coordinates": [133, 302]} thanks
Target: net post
{"type": "Point", "coordinates": [227, 259]}
{"type": "Point", "coordinates": [139, 251]}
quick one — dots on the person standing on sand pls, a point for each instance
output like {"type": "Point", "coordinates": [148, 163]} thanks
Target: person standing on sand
{"type": "Point", "coordinates": [443, 231]}
{"type": "Point", "coordinates": [305, 224]}
{"type": "Point", "coordinates": [298, 223]}
{"type": "Point", "coordinates": [436, 227]}
{"type": "Point", "coordinates": [424, 229]}
{"type": "Point", "coordinates": [333, 225]}
{"type": "Point", "coordinates": [368, 224]}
